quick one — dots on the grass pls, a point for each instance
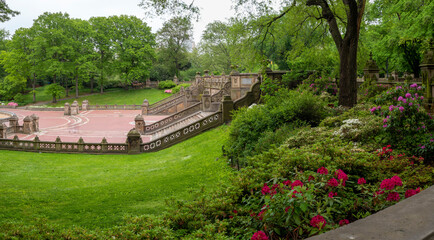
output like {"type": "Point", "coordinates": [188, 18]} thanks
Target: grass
{"type": "Point", "coordinates": [110, 96]}
{"type": "Point", "coordinates": [97, 191]}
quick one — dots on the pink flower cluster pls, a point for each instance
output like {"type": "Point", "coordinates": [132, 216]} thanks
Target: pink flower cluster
{"type": "Point", "coordinates": [361, 181]}
{"type": "Point", "coordinates": [343, 222]}
{"type": "Point", "coordinates": [259, 235]}
{"type": "Point", "coordinates": [13, 104]}
{"type": "Point", "coordinates": [332, 194]}
{"type": "Point", "coordinates": [322, 170]}
{"type": "Point", "coordinates": [411, 192]}
{"type": "Point", "coordinates": [318, 221]}
{"type": "Point", "coordinates": [389, 184]}
{"type": "Point", "coordinates": [341, 176]}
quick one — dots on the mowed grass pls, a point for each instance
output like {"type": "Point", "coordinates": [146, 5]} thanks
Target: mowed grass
{"type": "Point", "coordinates": [110, 96]}
{"type": "Point", "coordinates": [97, 191]}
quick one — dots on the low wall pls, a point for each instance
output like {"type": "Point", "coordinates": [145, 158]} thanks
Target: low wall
{"type": "Point", "coordinates": [410, 219]}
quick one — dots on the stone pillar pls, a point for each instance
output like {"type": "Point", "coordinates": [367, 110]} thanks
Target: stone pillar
{"type": "Point", "coordinates": [395, 76]}
{"type": "Point", "coordinates": [85, 105]}
{"type": "Point", "coordinates": [104, 143]}
{"type": "Point", "coordinates": [37, 143]}
{"type": "Point", "coordinates": [74, 108]}
{"type": "Point", "coordinates": [35, 122]}
{"type": "Point", "coordinates": [228, 106]}
{"type": "Point", "coordinates": [427, 68]}
{"type": "Point", "coordinates": [3, 131]}
{"type": "Point", "coordinates": [133, 141]}
{"type": "Point", "coordinates": [176, 80]}
{"type": "Point", "coordinates": [371, 71]}
{"type": "Point", "coordinates": [206, 101]}
{"type": "Point", "coordinates": [235, 83]}
{"type": "Point", "coordinates": [145, 107]}
{"type": "Point", "coordinates": [80, 144]}
{"type": "Point", "coordinates": [140, 124]}
{"type": "Point", "coordinates": [148, 83]}
{"type": "Point", "coordinates": [27, 125]}
{"type": "Point", "coordinates": [67, 109]}
{"type": "Point", "coordinates": [58, 144]}
{"type": "Point", "coordinates": [13, 122]}
{"type": "Point", "coordinates": [198, 78]}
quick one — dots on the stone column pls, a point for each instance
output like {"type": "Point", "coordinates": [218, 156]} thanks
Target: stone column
{"type": "Point", "coordinates": [140, 124]}
{"type": "Point", "coordinates": [371, 71]}
{"type": "Point", "coordinates": [198, 78]}
{"type": "Point", "coordinates": [35, 122]}
{"type": "Point", "coordinates": [80, 144]}
{"type": "Point", "coordinates": [133, 141]}
{"type": "Point", "coordinates": [67, 109]}
{"type": "Point", "coordinates": [176, 80]}
{"type": "Point", "coordinates": [27, 125]}
{"type": "Point", "coordinates": [206, 101]}
{"type": "Point", "coordinates": [74, 108]}
{"type": "Point", "coordinates": [58, 144]}
{"type": "Point", "coordinates": [3, 130]}
{"type": "Point", "coordinates": [148, 83]}
{"type": "Point", "coordinates": [228, 106]}
{"type": "Point", "coordinates": [13, 122]}
{"type": "Point", "coordinates": [37, 143]}
{"type": "Point", "coordinates": [235, 83]}
{"type": "Point", "coordinates": [104, 143]}
{"type": "Point", "coordinates": [145, 107]}
{"type": "Point", "coordinates": [427, 68]}
{"type": "Point", "coordinates": [85, 105]}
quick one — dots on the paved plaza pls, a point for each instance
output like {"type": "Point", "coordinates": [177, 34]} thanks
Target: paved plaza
{"type": "Point", "coordinates": [92, 125]}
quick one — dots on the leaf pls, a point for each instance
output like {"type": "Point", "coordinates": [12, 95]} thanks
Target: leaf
{"type": "Point", "coordinates": [303, 206]}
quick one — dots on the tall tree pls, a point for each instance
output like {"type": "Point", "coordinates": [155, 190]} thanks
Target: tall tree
{"type": "Point", "coordinates": [134, 48]}
{"type": "Point", "coordinates": [174, 39]}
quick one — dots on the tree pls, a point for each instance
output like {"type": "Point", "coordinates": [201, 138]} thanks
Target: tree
{"type": "Point", "coordinates": [133, 44]}
{"type": "Point", "coordinates": [101, 37]}
{"type": "Point", "coordinates": [174, 39]}
{"type": "Point", "coordinates": [55, 90]}
{"type": "Point", "coordinates": [5, 12]}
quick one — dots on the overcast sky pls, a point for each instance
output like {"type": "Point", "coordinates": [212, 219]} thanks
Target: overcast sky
{"type": "Point", "coordinates": [211, 10]}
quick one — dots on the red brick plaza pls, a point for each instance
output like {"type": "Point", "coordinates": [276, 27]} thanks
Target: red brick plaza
{"type": "Point", "coordinates": [92, 125]}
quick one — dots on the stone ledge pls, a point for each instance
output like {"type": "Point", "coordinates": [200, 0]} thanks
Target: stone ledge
{"type": "Point", "coordinates": [410, 219]}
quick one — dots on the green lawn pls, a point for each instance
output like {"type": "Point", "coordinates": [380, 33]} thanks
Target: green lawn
{"type": "Point", "coordinates": [98, 190]}
{"type": "Point", "coordinates": [110, 96]}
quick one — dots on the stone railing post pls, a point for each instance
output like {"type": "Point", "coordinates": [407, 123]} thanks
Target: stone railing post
{"type": "Point", "coordinates": [140, 124]}
{"type": "Point", "coordinates": [35, 122]}
{"type": "Point", "coordinates": [58, 144]}
{"type": "Point", "coordinates": [176, 80]}
{"type": "Point", "coordinates": [235, 83]}
{"type": "Point", "coordinates": [145, 107]}
{"type": "Point", "coordinates": [85, 105]}
{"type": "Point", "coordinates": [148, 83]}
{"type": "Point", "coordinates": [371, 71]}
{"type": "Point", "coordinates": [27, 125]}
{"type": "Point", "coordinates": [227, 107]}
{"type": "Point", "coordinates": [206, 101]}
{"type": "Point", "coordinates": [13, 122]}
{"type": "Point", "coordinates": [16, 141]}
{"type": "Point", "coordinates": [80, 144]}
{"type": "Point", "coordinates": [67, 109]}
{"type": "Point", "coordinates": [427, 68]}
{"type": "Point", "coordinates": [3, 130]}
{"type": "Point", "coordinates": [37, 143]}
{"type": "Point", "coordinates": [198, 78]}
{"type": "Point", "coordinates": [104, 147]}
{"type": "Point", "coordinates": [74, 108]}
{"type": "Point", "coordinates": [133, 141]}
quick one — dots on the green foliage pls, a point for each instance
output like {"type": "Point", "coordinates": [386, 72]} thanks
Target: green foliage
{"type": "Point", "coordinates": [251, 124]}
{"type": "Point", "coordinates": [177, 88]}
{"type": "Point", "coordinates": [318, 85]}
{"type": "Point", "coordinates": [166, 84]}
{"type": "Point", "coordinates": [55, 90]}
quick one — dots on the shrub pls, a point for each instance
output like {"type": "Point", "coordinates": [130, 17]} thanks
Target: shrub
{"type": "Point", "coordinates": [166, 84]}
{"type": "Point", "coordinates": [177, 88]}
{"type": "Point", "coordinates": [251, 124]}
{"type": "Point", "coordinates": [318, 85]}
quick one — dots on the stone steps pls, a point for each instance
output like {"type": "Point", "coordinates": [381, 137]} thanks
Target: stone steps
{"type": "Point", "coordinates": [178, 125]}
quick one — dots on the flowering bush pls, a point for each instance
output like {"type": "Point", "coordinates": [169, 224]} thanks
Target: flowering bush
{"type": "Point", "coordinates": [405, 122]}
{"type": "Point", "coordinates": [316, 202]}
{"type": "Point", "coordinates": [13, 104]}
{"type": "Point", "coordinates": [318, 85]}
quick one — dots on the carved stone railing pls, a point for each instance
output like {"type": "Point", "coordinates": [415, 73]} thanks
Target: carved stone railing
{"type": "Point", "coordinates": [114, 107]}
{"type": "Point", "coordinates": [172, 118]}
{"type": "Point", "coordinates": [167, 105]}
{"type": "Point", "coordinates": [251, 97]}
{"type": "Point", "coordinates": [64, 147]}
{"type": "Point", "coordinates": [184, 133]}
{"type": "Point", "coordinates": [163, 101]}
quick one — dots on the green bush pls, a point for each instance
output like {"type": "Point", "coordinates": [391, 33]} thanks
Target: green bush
{"type": "Point", "coordinates": [166, 84]}
{"type": "Point", "coordinates": [251, 124]}
{"type": "Point", "coordinates": [177, 88]}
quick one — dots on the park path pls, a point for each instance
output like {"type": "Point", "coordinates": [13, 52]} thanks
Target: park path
{"type": "Point", "coordinates": [92, 125]}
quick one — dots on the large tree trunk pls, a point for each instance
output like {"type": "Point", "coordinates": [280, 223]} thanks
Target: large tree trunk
{"type": "Point", "coordinates": [348, 73]}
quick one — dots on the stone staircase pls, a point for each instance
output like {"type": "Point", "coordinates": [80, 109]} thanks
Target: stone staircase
{"type": "Point", "coordinates": [195, 117]}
